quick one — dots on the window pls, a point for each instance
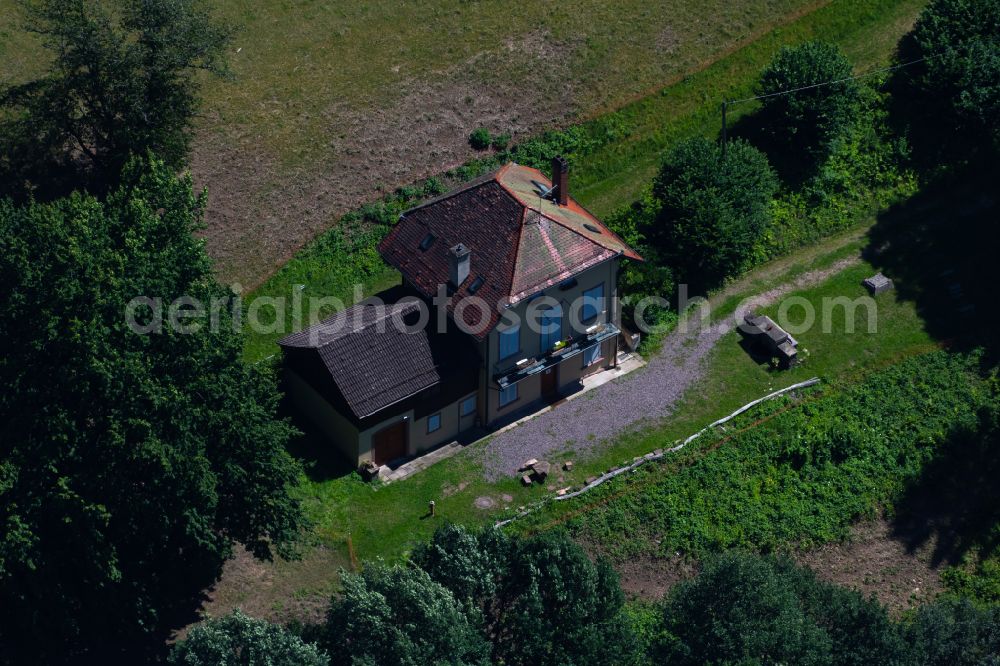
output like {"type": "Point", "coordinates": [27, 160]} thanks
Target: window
{"type": "Point", "coordinates": [508, 395]}
{"type": "Point", "coordinates": [593, 303]}
{"type": "Point", "coordinates": [433, 422]}
{"type": "Point", "coordinates": [591, 355]}
{"type": "Point", "coordinates": [550, 326]}
{"type": "Point", "coordinates": [510, 342]}
{"type": "Point", "coordinates": [468, 406]}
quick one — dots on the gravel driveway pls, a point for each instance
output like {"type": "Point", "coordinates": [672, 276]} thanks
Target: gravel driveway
{"type": "Point", "coordinates": [648, 394]}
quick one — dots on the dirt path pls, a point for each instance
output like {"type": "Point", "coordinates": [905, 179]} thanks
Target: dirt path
{"type": "Point", "coordinates": [648, 394]}
{"type": "Point", "coordinates": [873, 561]}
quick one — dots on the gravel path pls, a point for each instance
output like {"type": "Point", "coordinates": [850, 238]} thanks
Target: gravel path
{"type": "Point", "coordinates": [650, 393]}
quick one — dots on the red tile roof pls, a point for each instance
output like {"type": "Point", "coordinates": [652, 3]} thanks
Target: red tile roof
{"type": "Point", "coordinates": [521, 242]}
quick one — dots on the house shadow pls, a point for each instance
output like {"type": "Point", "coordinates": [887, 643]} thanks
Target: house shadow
{"type": "Point", "coordinates": [320, 458]}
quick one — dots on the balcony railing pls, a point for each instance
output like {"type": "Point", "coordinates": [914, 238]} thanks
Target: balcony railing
{"type": "Point", "coordinates": [573, 347]}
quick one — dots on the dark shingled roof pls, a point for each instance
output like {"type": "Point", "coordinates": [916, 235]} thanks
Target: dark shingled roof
{"type": "Point", "coordinates": [375, 361]}
{"type": "Point", "coordinates": [521, 242]}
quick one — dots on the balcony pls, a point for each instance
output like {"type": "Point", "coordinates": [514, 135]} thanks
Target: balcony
{"type": "Point", "coordinates": [573, 347]}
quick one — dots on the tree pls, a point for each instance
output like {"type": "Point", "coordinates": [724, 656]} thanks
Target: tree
{"type": "Point", "coordinates": [750, 609]}
{"type": "Point", "coordinates": [396, 616]}
{"type": "Point", "coordinates": [131, 462]}
{"type": "Point", "coordinates": [539, 600]}
{"type": "Point", "coordinates": [470, 565]}
{"type": "Point", "coordinates": [122, 81]}
{"type": "Point", "coordinates": [952, 632]}
{"type": "Point", "coordinates": [803, 125]}
{"type": "Point", "coordinates": [951, 95]}
{"type": "Point", "coordinates": [713, 209]}
{"type": "Point", "coordinates": [238, 640]}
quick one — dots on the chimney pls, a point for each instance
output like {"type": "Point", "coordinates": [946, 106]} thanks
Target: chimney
{"type": "Point", "coordinates": [458, 264]}
{"type": "Point", "coordinates": [560, 180]}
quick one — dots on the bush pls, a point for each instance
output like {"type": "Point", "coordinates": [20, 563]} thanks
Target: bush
{"type": "Point", "coordinates": [238, 640]}
{"type": "Point", "coordinates": [713, 210]}
{"type": "Point", "coordinates": [806, 123]}
{"type": "Point", "coordinates": [501, 141]}
{"type": "Point", "coordinates": [953, 632]}
{"type": "Point", "coordinates": [480, 138]}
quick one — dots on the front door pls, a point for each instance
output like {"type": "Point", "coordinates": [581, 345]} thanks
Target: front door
{"type": "Point", "coordinates": [389, 443]}
{"type": "Point", "coordinates": [550, 382]}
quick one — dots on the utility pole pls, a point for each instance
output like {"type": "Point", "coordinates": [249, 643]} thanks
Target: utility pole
{"type": "Point", "coordinates": [725, 138]}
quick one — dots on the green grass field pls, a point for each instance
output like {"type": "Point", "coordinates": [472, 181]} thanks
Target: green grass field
{"type": "Point", "coordinates": [332, 104]}
{"type": "Point", "coordinates": [613, 175]}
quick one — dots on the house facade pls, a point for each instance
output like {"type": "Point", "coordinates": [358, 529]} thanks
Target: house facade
{"type": "Point", "coordinates": [508, 300]}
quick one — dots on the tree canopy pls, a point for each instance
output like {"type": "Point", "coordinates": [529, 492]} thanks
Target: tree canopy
{"type": "Point", "coordinates": [396, 616]}
{"type": "Point", "coordinates": [951, 96]}
{"type": "Point", "coordinates": [540, 600]}
{"type": "Point", "coordinates": [713, 209]}
{"type": "Point", "coordinates": [802, 125]}
{"type": "Point", "coordinates": [130, 462]}
{"type": "Point", "coordinates": [121, 81]}
{"type": "Point", "coordinates": [238, 640]}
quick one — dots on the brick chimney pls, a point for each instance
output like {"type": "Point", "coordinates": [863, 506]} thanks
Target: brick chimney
{"type": "Point", "coordinates": [458, 264]}
{"type": "Point", "coordinates": [560, 180]}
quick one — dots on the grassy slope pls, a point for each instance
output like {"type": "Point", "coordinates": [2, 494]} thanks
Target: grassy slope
{"type": "Point", "coordinates": [308, 57]}
{"type": "Point", "coordinates": [613, 176]}
{"type": "Point", "coordinates": [867, 31]}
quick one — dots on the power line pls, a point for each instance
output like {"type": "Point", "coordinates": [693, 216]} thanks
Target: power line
{"type": "Point", "coordinates": [727, 103]}
{"type": "Point", "coordinates": [830, 83]}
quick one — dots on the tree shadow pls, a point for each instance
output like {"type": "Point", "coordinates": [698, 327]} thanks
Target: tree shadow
{"type": "Point", "coordinates": [955, 503]}
{"type": "Point", "coordinates": [795, 167]}
{"type": "Point", "coordinates": [940, 250]}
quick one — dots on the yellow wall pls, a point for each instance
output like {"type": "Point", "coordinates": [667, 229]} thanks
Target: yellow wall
{"type": "Point", "coordinates": [311, 404]}
{"type": "Point", "coordinates": [570, 370]}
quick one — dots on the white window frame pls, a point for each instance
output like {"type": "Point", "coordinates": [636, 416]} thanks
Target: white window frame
{"type": "Point", "coordinates": [510, 399]}
{"type": "Point", "coordinates": [515, 332]}
{"type": "Point", "coordinates": [461, 406]}
{"type": "Point", "coordinates": [597, 359]}
{"type": "Point", "coordinates": [432, 416]}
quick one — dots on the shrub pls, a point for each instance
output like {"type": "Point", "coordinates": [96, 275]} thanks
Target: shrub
{"type": "Point", "coordinates": [807, 122]}
{"type": "Point", "coordinates": [953, 632]}
{"type": "Point", "coordinates": [501, 141]}
{"type": "Point", "coordinates": [713, 210]}
{"type": "Point", "coordinates": [480, 138]}
{"type": "Point", "coordinates": [238, 640]}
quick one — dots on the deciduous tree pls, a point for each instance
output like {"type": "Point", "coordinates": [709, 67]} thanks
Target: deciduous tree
{"type": "Point", "coordinates": [131, 462]}
{"type": "Point", "coordinates": [122, 80]}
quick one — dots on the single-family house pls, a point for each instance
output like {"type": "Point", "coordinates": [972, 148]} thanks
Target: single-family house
{"type": "Point", "coordinates": [510, 300]}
